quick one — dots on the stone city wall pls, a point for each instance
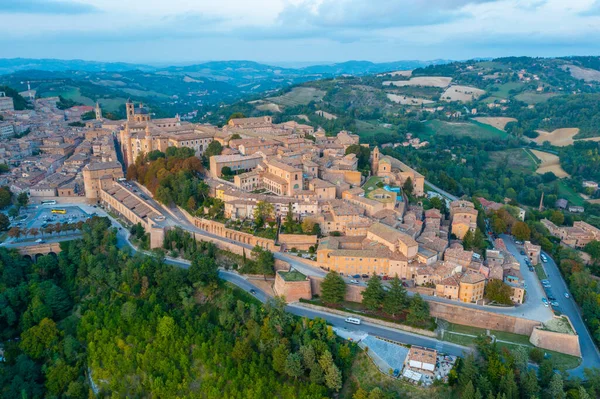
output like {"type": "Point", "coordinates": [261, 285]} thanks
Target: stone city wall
{"type": "Point", "coordinates": [559, 342]}
{"type": "Point", "coordinates": [482, 319]}
{"type": "Point", "coordinates": [292, 290]}
{"type": "Point", "coordinates": [298, 241]}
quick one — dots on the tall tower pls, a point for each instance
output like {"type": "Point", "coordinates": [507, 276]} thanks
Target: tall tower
{"type": "Point", "coordinates": [130, 110]}
{"type": "Point", "coordinates": [126, 145]}
{"type": "Point", "coordinates": [375, 161]}
{"type": "Point", "coordinates": [98, 112]}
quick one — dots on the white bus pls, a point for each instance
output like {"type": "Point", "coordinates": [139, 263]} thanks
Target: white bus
{"type": "Point", "coordinates": [48, 202]}
{"type": "Point", "coordinates": [352, 320]}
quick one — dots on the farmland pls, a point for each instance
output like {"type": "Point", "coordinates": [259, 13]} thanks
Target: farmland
{"type": "Point", "coordinates": [531, 97]}
{"type": "Point", "coordinates": [298, 96]}
{"type": "Point", "coordinates": [474, 130]}
{"type": "Point", "coordinates": [550, 163]}
{"type": "Point", "coordinates": [405, 100]}
{"type": "Point", "coordinates": [435, 81]}
{"type": "Point", "coordinates": [506, 90]}
{"type": "Point", "coordinates": [496, 122]}
{"type": "Point", "coordinates": [515, 159]}
{"type": "Point", "coordinates": [369, 129]}
{"type": "Point", "coordinates": [558, 137]}
{"type": "Point", "coordinates": [462, 93]}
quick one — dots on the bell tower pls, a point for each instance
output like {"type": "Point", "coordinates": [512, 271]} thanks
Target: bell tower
{"type": "Point", "coordinates": [98, 112]}
{"type": "Point", "coordinates": [375, 161]}
{"type": "Point", "coordinates": [130, 110]}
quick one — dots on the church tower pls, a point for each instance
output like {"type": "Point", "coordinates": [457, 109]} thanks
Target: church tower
{"type": "Point", "coordinates": [130, 110]}
{"type": "Point", "coordinates": [98, 112]}
{"type": "Point", "coordinates": [126, 145]}
{"type": "Point", "coordinates": [375, 161]}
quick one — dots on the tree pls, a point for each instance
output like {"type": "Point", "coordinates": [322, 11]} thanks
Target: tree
{"type": "Point", "coordinates": [396, 299]}
{"type": "Point", "coordinates": [374, 294]}
{"type": "Point", "coordinates": [308, 225]}
{"type": "Point", "coordinates": [333, 376]}
{"type": "Point", "coordinates": [521, 231]}
{"type": "Point", "coordinates": [265, 261]}
{"type": "Point", "coordinates": [280, 355]}
{"type": "Point", "coordinates": [23, 199]}
{"type": "Point", "coordinates": [545, 372]}
{"type": "Point", "coordinates": [593, 249]}
{"type": "Point", "coordinates": [13, 212]}
{"type": "Point", "coordinates": [236, 115]}
{"type": "Point", "coordinates": [362, 153]}
{"type": "Point", "coordinates": [529, 385]}
{"type": "Point", "coordinates": [15, 232]}
{"type": "Point", "coordinates": [293, 365]}
{"type": "Point", "coordinates": [418, 312]}
{"type": "Point", "coordinates": [557, 217]}
{"type": "Point", "coordinates": [498, 292]}
{"type": "Point", "coordinates": [226, 171]}
{"type": "Point", "coordinates": [38, 339]}
{"type": "Point", "coordinates": [235, 136]}
{"type": "Point", "coordinates": [262, 212]}
{"type": "Point", "coordinates": [203, 270]}
{"type": "Point", "coordinates": [5, 197]}
{"type": "Point", "coordinates": [499, 225]}
{"type": "Point", "coordinates": [214, 148]}
{"type": "Point", "coordinates": [408, 186]}
{"type": "Point", "coordinates": [468, 240]}
{"type": "Point", "coordinates": [289, 222]}
{"type": "Point", "coordinates": [333, 288]}
{"type": "Point", "coordinates": [4, 222]}
{"type": "Point", "coordinates": [555, 388]}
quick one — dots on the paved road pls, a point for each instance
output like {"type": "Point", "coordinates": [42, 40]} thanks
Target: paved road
{"type": "Point", "coordinates": [591, 356]}
{"type": "Point", "coordinates": [439, 190]}
{"type": "Point", "coordinates": [533, 308]}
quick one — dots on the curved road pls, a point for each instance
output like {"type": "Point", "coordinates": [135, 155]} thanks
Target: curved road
{"type": "Point", "coordinates": [591, 355]}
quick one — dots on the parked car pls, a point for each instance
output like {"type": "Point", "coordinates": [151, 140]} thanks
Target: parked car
{"type": "Point", "coordinates": [356, 276]}
{"type": "Point", "coordinates": [365, 276]}
{"type": "Point", "coordinates": [555, 304]}
{"type": "Point", "coordinates": [544, 259]}
{"type": "Point", "coordinates": [39, 241]}
{"type": "Point", "coordinates": [545, 301]}
{"type": "Point", "coordinates": [353, 282]}
{"type": "Point", "coordinates": [531, 268]}
{"type": "Point", "coordinates": [396, 373]}
{"type": "Point", "coordinates": [522, 252]}
{"type": "Point", "coordinates": [519, 242]}
{"type": "Point", "coordinates": [253, 292]}
{"type": "Point", "coordinates": [567, 295]}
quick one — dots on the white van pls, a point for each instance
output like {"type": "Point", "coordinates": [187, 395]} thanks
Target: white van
{"type": "Point", "coordinates": [352, 320]}
{"type": "Point", "coordinates": [544, 259]}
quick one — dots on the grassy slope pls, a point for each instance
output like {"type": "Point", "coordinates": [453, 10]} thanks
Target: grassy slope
{"type": "Point", "coordinates": [472, 129]}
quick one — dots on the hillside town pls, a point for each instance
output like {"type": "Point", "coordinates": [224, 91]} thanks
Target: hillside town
{"type": "Point", "coordinates": [367, 224]}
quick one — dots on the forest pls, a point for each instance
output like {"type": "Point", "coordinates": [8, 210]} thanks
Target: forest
{"type": "Point", "coordinates": [137, 327]}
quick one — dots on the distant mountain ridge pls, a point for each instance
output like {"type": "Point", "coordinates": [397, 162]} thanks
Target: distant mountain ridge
{"type": "Point", "coordinates": [353, 67]}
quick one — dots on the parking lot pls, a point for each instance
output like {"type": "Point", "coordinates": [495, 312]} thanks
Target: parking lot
{"type": "Point", "coordinates": [40, 217]}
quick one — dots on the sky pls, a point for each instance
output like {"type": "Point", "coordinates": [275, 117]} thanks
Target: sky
{"type": "Point", "coordinates": [295, 31]}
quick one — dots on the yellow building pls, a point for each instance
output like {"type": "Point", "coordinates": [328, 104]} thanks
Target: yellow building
{"type": "Point", "coordinates": [464, 218]}
{"type": "Point", "coordinates": [472, 286]}
{"type": "Point", "coordinates": [100, 176]}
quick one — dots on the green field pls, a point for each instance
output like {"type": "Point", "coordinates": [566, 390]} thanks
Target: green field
{"type": "Point", "coordinates": [371, 184]}
{"type": "Point", "coordinates": [504, 89]}
{"type": "Point", "coordinates": [516, 159]}
{"type": "Point", "coordinates": [569, 194]}
{"type": "Point", "coordinates": [560, 360]}
{"type": "Point", "coordinates": [74, 93]}
{"type": "Point", "coordinates": [531, 97]}
{"type": "Point", "coordinates": [370, 129]}
{"type": "Point", "coordinates": [471, 129]}
{"type": "Point", "coordinates": [298, 96]}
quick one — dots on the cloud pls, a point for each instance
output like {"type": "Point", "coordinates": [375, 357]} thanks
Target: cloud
{"type": "Point", "coordinates": [592, 10]}
{"type": "Point", "coordinates": [374, 14]}
{"type": "Point", "coordinates": [44, 7]}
